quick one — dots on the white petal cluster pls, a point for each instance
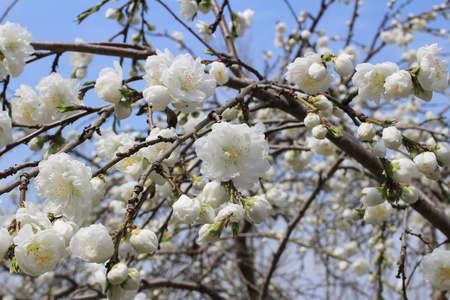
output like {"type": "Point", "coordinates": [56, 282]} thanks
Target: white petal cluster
{"type": "Point", "coordinates": [242, 21]}
{"type": "Point", "coordinates": [37, 253]}
{"type": "Point", "coordinates": [372, 196]}
{"type": "Point", "coordinates": [233, 212]}
{"type": "Point", "coordinates": [54, 91]}
{"type": "Point", "coordinates": [144, 241]}
{"type": "Point", "coordinates": [392, 137]}
{"type": "Point", "coordinates": [403, 170]}
{"type": "Point", "coordinates": [118, 273]}
{"type": "Point", "coordinates": [220, 72]}
{"type": "Point", "coordinates": [80, 60]}
{"type": "Point", "coordinates": [5, 129]}
{"type": "Point", "coordinates": [370, 80]}
{"type": "Point", "coordinates": [184, 78]}
{"type": "Point", "coordinates": [5, 242]}
{"type": "Point", "coordinates": [109, 142]}
{"type": "Point", "coordinates": [426, 162]}
{"type": "Point", "coordinates": [366, 131]}
{"type": "Point", "coordinates": [233, 152]}
{"type": "Point", "coordinates": [186, 210]}
{"type": "Point", "coordinates": [109, 83]}
{"type": "Point", "coordinates": [65, 183]}
{"type": "Point", "coordinates": [31, 214]}
{"type": "Point", "coordinates": [92, 244]}
{"type": "Point", "coordinates": [436, 268]}
{"type": "Point", "coordinates": [433, 74]}
{"type": "Point", "coordinates": [203, 28]}
{"type": "Point", "coordinates": [189, 9]}
{"type": "Point", "coordinates": [399, 84]}
{"type": "Point", "coordinates": [256, 209]}
{"type": "Point", "coordinates": [309, 74]}
{"type": "Point", "coordinates": [443, 153]}
{"type": "Point", "coordinates": [343, 64]}
{"type": "Point", "coordinates": [14, 48]}
{"type": "Point", "coordinates": [360, 267]}
{"type": "Point", "coordinates": [377, 214]}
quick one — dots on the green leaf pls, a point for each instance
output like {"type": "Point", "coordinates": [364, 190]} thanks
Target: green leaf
{"type": "Point", "coordinates": [335, 131]}
{"type": "Point", "coordinates": [108, 288]}
{"type": "Point", "coordinates": [14, 266]}
{"type": "Point", "coordinates": [235, 228]}
{"type": "Point", "coordinates": [125, 92]}
{"type": "Point", "coordinates": [63, 109]}
{"type": "Point", "coordinates": [361, 212]}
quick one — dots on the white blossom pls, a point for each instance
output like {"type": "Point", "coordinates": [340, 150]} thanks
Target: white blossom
{"type": "Point", "coordinates": [426, 162]}
{"type": "Point", "coordinates": [242, 21]}
{"type": "Point", "coordinates": [132, 282]}
{"type": "Point", "coordinates": [92, 244]}
{"type": "Point", "coordinates": [256, 209]}
{"type": "Point", "coordinates": [109, 83]}
{"type": "Point", "coordinates": [14, 47]}
{"type": "Point", "coordinates": [66, 228]}
{"type": "Point", "coordinates": [233, 152]}
{"type": "Point", "coordinates": [322, 147]}
{"type": "Point", "coordinates": [360, 267]}
{"type": "Point", "coordinates": [143, 241]}
{"type": "Point", "coordinates": [399, 84]}
{"type": "Point", "coordinates": [156, 65]}
{"type": "Point", "coordinates": [312, 120]}
{"type": "Point", "coordinates": [186, 210]}
{"type": "Point", "coordinates": [118, 273]}
{"type": "Point", "coordinates": [403, 170]}
{"type": "Point", "coordinates": [377, 214]}
{"type": "Point", "coordinates": [5, 242]}
{"type": "Point", "coordinates": [443, 153]}
{"type": "Point", "coordinates": [5, 129]}
{"type": "Point", "coordinates": [370, 80]}
{"type": "Point", "coordinates": [366, 131]}
{"type": "Point", "coordinates": [109, 142]}
{"type": "Point", "coordinates": [220, 72]}
{"type": "Point", "coordinates": [235, 213]}
{"type": "Point", "coordinates": [26, 106]}
{"type": "Point", "coordinates": [433, 74]}
{"type": "Point", "coordinates": [206, 234]}
{"type": "Point", "coordinates": [379, 149]}
{"type": "Point", "coordinates": [319, 132]}
{"type": "Point", "coordinates": [298, 73]}
{"type": "Point", "coordinates": [214, 194]}
{"type": "Point", "coordinates": [392, 137]}
{"type": "Point", "coordinates": [66, 185]}
{"type": "Point", "coordinates": [409, 195]}
{"type": "Point", "coordinates": [188, 83]}
{"type": "Point", "coordinates": [203, 28]}
{"type": "Point", "coordinates": [343, 64]}
{"type": "Point", "coordinates": [436, 268]}
{"type": "Point", "coordinates": [37, 253]}
{"type": "Point", "coordinates": [372, 196]}
{"type": "Point", "coordinates": [158, 96]}
{"type": "Point", "coordinates": [31, 214]}
{"type": "Point", "coordinates": [54, 91]}
{"type": "Point", "coordinates": [189, 9]}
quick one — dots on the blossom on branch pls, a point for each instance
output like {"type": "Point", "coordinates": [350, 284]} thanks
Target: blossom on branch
{"type": "Point", "coordinates": [233, 152]}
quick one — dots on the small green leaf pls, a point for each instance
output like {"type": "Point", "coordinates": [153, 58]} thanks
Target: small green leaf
{"type": "Point", "coordinates": [361, 212]}
{"type": "Point", "coordinates": [125, 92]}
{"type": "Point", "coordinates": [14, 266]}
{"type": "Point", "coordinates": [63, 109]}
{"type": "Point", "coordinates": [235, 228]}
{"type": "Point", "coordinates": [335, 131]}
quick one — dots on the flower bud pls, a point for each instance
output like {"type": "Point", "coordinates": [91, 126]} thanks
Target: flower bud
{"type": "Point", "coordinates": [122, 110]}
{"type": "Point", "coordinates": [230, 114]}
{"type": "Point", "coordinates": [360, 267]}
{"type": "Point", "coordinates": [186, 210]}
{"type": "Point", "coordinates": [36, 144]}
{"type": "Point", "coordinates": [426, 162]}
{"type": "Point", "coordinates": [392, 137]}
{"type": "Point", "coordinates": [5, 242]}
{"type": "Point", "coordinates": [409, 195]}
{"type": "Point", "coordinates": [118, 273]}
{"type": "Point", "coordinates": [322, 103]}
{"type": "Point", "coordinates": [256, 209]}
{"type": "Point", "coordinates": [379, 149]}
{"type": "Point", "coordinates": [319, 132]}
{"type": "Point", "coordinates": [343, 64]}
{"type": "Point", "coordinates": [312, 120]}
{"type": "Point", "coordinates": [372, 196]}
{"type": "Point", "coordinates": [144, 241]}
{"type": "Point", "coordinates": [133, 280]}
{"type": "Point", "coordinates": [376, 215]}
{"type": "Point", "coordinates": [366, 131]}
{"type": "Point", "coordinates": [210, 233]}
{"type": "Point", "coordinates": [317, 71]}
{"type": "Point", "coordinates": [111, 13]}
{"type": "Point", "coordinates": [207, 214]}
{"type": "Point", "coordinates": [220, 72]}
{"type": "Point", "coordinates": [158, 96]}
{"type": "Point", "coordinates": [205, 6]}
{"type": "Point", "coordinates": [442, 151]}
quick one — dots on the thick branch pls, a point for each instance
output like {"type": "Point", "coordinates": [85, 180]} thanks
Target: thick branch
{"type": "Point", "coordinates": [146, 284]}
{"type": "Point", "coordinates": [94, 48]}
